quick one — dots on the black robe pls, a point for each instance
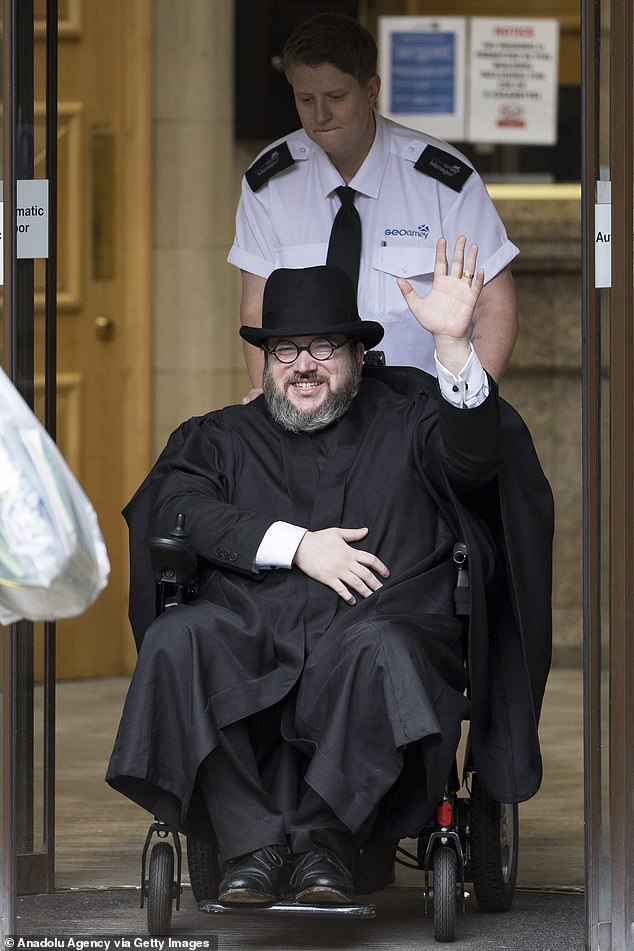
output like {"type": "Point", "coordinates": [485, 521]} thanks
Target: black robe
{"type": "Point", "coordinates": [419, 474]}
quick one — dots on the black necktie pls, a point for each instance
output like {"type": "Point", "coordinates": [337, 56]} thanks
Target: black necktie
{"type": "Point", "coordinates": [344, 247]}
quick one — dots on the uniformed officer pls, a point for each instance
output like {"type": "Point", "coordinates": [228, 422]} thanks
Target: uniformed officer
{"type": "Point", "coordinates": [409, 190]}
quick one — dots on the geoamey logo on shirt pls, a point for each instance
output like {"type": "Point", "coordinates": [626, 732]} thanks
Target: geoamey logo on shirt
{"type": "Point", "coordinates": [421, 232]}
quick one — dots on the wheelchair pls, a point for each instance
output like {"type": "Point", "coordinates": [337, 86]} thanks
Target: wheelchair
{"type": "Point", "coordinates": [471, 839]}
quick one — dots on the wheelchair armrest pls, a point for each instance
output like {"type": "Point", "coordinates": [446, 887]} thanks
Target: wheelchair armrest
{"type": "Point", "coordinates": [175, 566]}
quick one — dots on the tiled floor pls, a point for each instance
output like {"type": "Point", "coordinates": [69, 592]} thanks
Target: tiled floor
{"type": "Point", "coordinates": [100, 834]}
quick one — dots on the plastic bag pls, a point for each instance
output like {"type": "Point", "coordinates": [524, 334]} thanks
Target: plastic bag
{"type": "Point", "coordinates": [53, 560]}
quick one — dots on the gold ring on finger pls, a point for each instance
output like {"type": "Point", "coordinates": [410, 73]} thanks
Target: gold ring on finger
{"type": "Point", "coordinates": [468, 275]}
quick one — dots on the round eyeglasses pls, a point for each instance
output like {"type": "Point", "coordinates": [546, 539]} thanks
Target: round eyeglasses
{"type": "Point", "coordinates": [286, 351]}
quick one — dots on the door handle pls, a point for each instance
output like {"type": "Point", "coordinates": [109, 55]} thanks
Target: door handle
{"type": "Point", "coordinates": [104, 328]}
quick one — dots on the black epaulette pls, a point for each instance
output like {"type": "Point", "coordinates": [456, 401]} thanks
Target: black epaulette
{"type": "Point", "coordinates": [443, 166]}
{"type": "Point", "coordinates": [268, 165]}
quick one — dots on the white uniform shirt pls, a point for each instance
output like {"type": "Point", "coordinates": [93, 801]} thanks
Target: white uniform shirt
{"type": "Point", "coordinates": [287, 223]}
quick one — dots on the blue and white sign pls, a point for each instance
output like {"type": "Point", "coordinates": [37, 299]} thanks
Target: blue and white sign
{"type": "Point", "coordinates": [422, 68]}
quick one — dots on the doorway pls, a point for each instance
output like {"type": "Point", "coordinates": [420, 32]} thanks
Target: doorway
{"type": "Point", "coordinates": [105, 359]}
{"type": "Point", "coordinates": [76, 343]}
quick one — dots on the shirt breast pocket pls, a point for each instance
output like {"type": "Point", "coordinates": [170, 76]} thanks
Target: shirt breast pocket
{"type": "Point", "coordinates": [404, 262]}
{"type": "Point", "coordinates": [388, 263]}
{"type": "Point", "coordinates": [303, 255]}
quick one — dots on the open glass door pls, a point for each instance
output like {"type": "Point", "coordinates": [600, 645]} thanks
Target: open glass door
{"type": "Point", "coordinates": [609, 472]}
{"type": "Point", "coordinates": [29, 354]}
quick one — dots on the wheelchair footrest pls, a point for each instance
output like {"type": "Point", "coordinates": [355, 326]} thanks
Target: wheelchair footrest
{"type": "Point", "coordinates": [289, 908]}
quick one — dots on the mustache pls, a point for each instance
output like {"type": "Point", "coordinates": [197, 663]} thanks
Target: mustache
{"type": "Point", "coordinates": [310, 376]}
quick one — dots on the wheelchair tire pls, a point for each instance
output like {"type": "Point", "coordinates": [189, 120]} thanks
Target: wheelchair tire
{"type": "Point", "coordinates": [494, 850]}
{"type": "Point", "coordinates": [444, 893]}
{"type": "Point", "coordinates": [160, 889]}
{"type": "Point", "coordinates": [204, 871]}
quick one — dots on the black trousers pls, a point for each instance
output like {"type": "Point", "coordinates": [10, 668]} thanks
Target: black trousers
{"type": "Point", "coordinates": [254, 791]}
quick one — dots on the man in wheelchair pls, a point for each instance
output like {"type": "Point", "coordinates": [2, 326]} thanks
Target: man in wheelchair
{"type": "Point", "coordinates": [275, 712]}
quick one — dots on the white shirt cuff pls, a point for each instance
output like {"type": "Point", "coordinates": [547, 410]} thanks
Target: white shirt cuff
{"type": "Point", "coordinates": [469, 388]}
{"type": "Point", "coordinates": [277, 548]}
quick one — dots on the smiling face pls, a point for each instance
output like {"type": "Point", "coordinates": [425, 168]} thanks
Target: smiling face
{"type": "Point", "coordinates": [310, 394]}
{"type": "Point", "coordinates": [336, 112]}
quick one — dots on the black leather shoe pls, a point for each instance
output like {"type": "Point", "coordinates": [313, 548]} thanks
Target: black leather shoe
{"type": "Point", "coordinates": [321, 878]}
{"type": "Point", "coordinates": [257, 878]}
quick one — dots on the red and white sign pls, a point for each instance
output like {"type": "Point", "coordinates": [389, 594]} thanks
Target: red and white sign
{"type": "Point", "coordinates": [513, 77]}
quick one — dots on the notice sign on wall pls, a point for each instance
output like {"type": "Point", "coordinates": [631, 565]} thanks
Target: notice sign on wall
{"type": "Point", "coordinates": [422, 67]}
{"type": "Point", "coordinates": [514, 67]}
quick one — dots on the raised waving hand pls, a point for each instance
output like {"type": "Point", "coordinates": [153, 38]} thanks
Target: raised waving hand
{"type": "Point", "coordinates": [447, 311]}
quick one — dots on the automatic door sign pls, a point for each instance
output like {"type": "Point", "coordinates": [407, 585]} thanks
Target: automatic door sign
{"type": "Point", "coordinates": [603, 245]}
{"type": "Point", "coordinates": [514, 75]}
{"type": "Point", "coordinates": [31, 220]}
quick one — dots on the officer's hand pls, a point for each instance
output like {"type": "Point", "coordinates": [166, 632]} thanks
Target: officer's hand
{"type": "Point", "coordinates": [251, 395]}
{"type": "Point", "coordinates": [327, 557]}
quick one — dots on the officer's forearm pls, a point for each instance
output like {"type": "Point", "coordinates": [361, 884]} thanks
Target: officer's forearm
{"type": "Point", "coordinates": [251, 316]}
{"type": "Point", "coordinates": [495, 327]}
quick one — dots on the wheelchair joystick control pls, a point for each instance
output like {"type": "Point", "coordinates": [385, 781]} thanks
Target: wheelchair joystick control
{"type": "Point", "coordinates": [179, 529]}
{"type": "Point", "coordinates": [175, 566]}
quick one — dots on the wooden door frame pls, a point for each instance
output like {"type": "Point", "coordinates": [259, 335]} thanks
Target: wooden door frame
{"type": "Point", "coordinates": [621, 475]}
{"type": "Point", "coordinates": [609, 475]}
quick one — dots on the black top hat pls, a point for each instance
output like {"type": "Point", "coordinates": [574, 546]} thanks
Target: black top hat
{"type": "Point", "coordinates": [311, 300]}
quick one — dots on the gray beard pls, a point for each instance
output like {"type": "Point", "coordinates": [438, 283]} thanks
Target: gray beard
{"type": "Point", "coordinates": [333, 408]}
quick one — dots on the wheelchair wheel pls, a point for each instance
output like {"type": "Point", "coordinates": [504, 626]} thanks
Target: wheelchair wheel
{"type": "Point", "coordinates": [160, 889]}
{"type": "Point", "coordinates": [494, 850]}
{"type": "Point", "coordinates": [204, 872]}
{"type": "Point", "coordinates": [444, 893]}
